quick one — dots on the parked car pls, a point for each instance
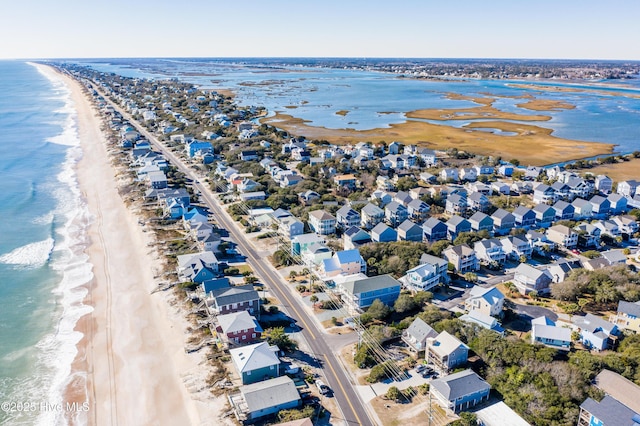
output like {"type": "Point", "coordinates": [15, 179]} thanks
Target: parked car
{"type": "Point", "coordinates": [324, 389]}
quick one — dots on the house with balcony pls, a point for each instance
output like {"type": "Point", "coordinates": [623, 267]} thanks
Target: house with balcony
{"type": "Point", "coordinates": [418, 210]}
{"type": "Point", "coordinates": [409, 231]}
{"type": "Point", "coordinates": [503, 222]}
{"type": "Point", "coordinates": [588, 235]}
{"type": "Point", "coordinates": [489, 301]}
{"type": "Point", "coordinates": [563, 210]}
{"type": "Point", "coordinates": [628, 316]}
{"type": "Point", "coordinates": [460, 391]}
{"type": "Point", "coordinates": [371, 216]}
{"type": "Point", "coordinates": [197, 267]}
{"type": "Point", "coordinates": [608, 412]}
{"type": "Point", "coordinates": [561, 269]}
{"type": "Point", "coordinates": [481, 222]}
{"type": "Point", "coordinates": [359, 291]}
{"type": "Point", "coordinates": [417, 334]}
{"type": "Point", "coordinates": [314, 256]}
{"type": "Point", "coordinates": [545, 332]}
{"type": "Point", "coordinates": [434, 229]}
{"type": "Point", "coordinates": [563, 235]}
{"type": "Point", "coordinates": [446, 352]}
{"type": "Point", "coordinates": [524, 217]}
{"type": "Point", "coordinates": [595, 332]}
{"type": "Point", "coordinates": [395, 213]}
{"type": "Point", "coordinates": [478, 201]}
{"type": "Point", "coordinates": [462, 257]}
{"type": "Point", "coordinates": [544, 194]}
{"type": "Point", "coordinates": [627, 224]}
{"type": "Point", "coordinates": [600, 206]}
{"type": "Point", "coordinates": [227, 300]}
{"type": "Point", "coordinates": [303, 242]}
{"type": "Point", "coordinates": [604, 184]}
{"type": "Point", "coordinates": [578, 187]}
{"type": "Point", "coordinates": [347, 217]}
{"type": "Point", "coordinates": [449, 175]}
{"type": "Point", "coordinates": [456, 225]}
{"type": "Point", "coordinates": [347, 181]}
{"type": "Point", "coordinates": [501, 188]}
{"type": "Point", "coordinates": [345, 262]}
{"type": "Point", "coordinates": [516, 246]}
{"type": "Point", "coordinates": [456, 204]}
{"type": "Point", "coordinates": [482, 320]}
{"type": "Point", "coordinates": [257, 362]}
{"type": "Point", "coordinates": [528, 279]}
{"type": "Point", "coordinates": [540, 243]}
{"type": "Point", "coordinates": [627, 188]}
{"type": "Point", "coordinates": [545, 215]}
{"type": "Point", "coordinates": [618, 203]}
{"type": "Point", "coordinates": [238, 328]}
{"type": "Point", "coordinates": [322, 222]}
{"type": "Point", "coordinates": [290, 227]}
{"type": "Point", "coordinates": [608, 227]}
{"type": "Point", "coordinates": [423, 277]}
{"type": "Point", "coordinates": [505, 170]}
{"type": "Point", "coordinates": [582, 209]}
{"type": "Point", "coordinates": [468, 174]}
{"type": "Point", "coordinates": [258, 400]}
{"type": "Point", "coordinates": [561, 190]}
{"type": "Point", "coordinates": [490, 250]}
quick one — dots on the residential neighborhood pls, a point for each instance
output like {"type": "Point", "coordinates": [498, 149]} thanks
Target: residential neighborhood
{"type": "Point", "coordinates": [413, 265]}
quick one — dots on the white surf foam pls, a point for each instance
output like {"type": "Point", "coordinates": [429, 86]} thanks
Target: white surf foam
{"type": "Point", "coordinates": [31, 255]}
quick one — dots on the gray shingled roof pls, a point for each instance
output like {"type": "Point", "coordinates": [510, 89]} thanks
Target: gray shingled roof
{"type": "Point", "coordinates": [609, 411]}
{"type": "Point", "coordinates": [629, 308]}
{"type": "Point", "coordinates": [269, 393]}
{"type": "Point", "coordinates": [460, 384]}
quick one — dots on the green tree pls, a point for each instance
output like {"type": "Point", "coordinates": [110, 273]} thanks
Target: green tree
{"type": "Point", "coordinates": [277, 336]}
{"type": "Point", "coordinates": [378, 310]}
{"type": "Point", "coordinates": [393, 393]}
{"type": "Point", "coordinates": [313, 299]}
{"type": "Point", "coordinates": [466, 419]}
{"type": "Point", "coordinates": [472, 277]}
{"type": "Point", "coordinates": [404, 303]}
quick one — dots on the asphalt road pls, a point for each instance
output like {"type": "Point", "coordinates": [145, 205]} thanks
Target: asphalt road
{"type": "Point", "coordinates": [353, 410]}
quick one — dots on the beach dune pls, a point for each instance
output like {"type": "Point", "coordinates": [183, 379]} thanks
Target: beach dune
{"type": "Point", "coordinates": [131, 358]}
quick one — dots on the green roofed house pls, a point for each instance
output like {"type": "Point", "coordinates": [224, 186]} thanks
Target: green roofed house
{"type": "Point", "coordinates": [359, 291]}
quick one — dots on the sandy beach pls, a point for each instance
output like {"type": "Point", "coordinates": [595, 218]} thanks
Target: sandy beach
{"type": "Point", "coordinates": [131, 365]}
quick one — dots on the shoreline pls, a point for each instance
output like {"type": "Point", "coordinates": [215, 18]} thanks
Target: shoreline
{"type": "Point", "coordinates": [130, 362]}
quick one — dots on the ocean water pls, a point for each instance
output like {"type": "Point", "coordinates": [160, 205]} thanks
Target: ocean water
{"type": "Point", "coordinates": [42, 242]}
{"type": "Point", "coordinates": [377, 100]}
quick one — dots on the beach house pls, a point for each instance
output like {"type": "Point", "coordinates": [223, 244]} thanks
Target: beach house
{"type": "Point", "coordinates": [489, 301]}
{"type": "Point", "coordinates": [460, 391]}
{"type": "Point", "coordinates": [359, 291]}
{"type": "Point", "coordinates": [371, 216]}
{"type": "Point", "coordinates": [544, 331]}
{"type": "Point", "coordinates": [417, 334]}
{"type": "Point", "coordinates": [446, 352]}
{"type": "Point", "coordinates": [628, 316]}
{"type": "Point", "coordinates": [257, 400]}
{"type": "Point", "coordinates": [322, 222]}
{"type": "Point", "coordinates": [462, 257]}
{"type": "Point", "coordinates": [528, 279]}
{"type": "Point", "coordinates": [257, 362]}
{"type": "Point", "coordinates": [239, 328]}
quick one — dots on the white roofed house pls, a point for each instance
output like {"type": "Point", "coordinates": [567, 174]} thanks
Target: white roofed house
{"type": "Point", "coordinates": [322, 222]}
{"type": "Point", "coordinates": [446, 352]}
{"type": "Point", "coordinates": [422, 278]}
{"type": "Point", "coordinates": [528, 279]}
{"type": "Point", "coordinates": [489, 301]}
{"type": "Point", "coordinates": [257, 362]}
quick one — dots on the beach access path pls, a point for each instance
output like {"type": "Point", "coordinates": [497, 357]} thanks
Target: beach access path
{"type": "Point", "coordinates": [350, 404]}
{"type": "Point", "coordinates": [131, 361]}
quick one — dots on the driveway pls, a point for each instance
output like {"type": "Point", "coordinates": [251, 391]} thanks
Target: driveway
{"type": "Point", "coordinates": [533, 311]}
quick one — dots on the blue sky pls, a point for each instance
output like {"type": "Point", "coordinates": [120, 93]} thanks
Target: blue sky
{"type": "Point", "coordinates": [584, 29]}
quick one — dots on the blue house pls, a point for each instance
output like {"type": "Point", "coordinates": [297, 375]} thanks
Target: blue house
{"type": "Point", "coordinates": [525, 217]}
{"type": "Point", "coordinates": [545, 215]}
{"type": "Point", "coordinates": [545, 332]}
{"type": "Point", "coordinates": [460, 391]}
{"type": "Point", "coordinates": [434, 229]}
{"type": "Point", "coordinates": [359, 291]}
{"type": "Point", "coordinates": [409, 231]}
{"type": "Point", "coordinates": [196, 147]}
{"type": "Point", "coordinates": [505, 170]}
{"type": "Point", "coordinates": [382, 233]}
{"type": "Point", "coordinates": [457, 225]}
{"type": "Point", "coordinates": [481, 222]}
{"type": "Point", "coordinates": [595, 332]}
